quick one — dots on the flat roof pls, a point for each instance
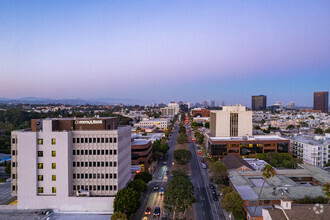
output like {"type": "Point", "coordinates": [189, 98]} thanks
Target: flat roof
{"type": "Point", "coordinates": [248, 138]}
{"type": "Point", "coordinates": [140, 142]}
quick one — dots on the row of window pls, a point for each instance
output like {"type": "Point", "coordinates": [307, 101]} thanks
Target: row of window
{"type": "Point", "coordinates": [94, 140]}
{"type": "Point", "coordinates": [94, 188]}
{"type": "Point", "coordinates": [41, 177]}
{"type": "Point", "coordinates": [41, 189]}
{"type": "Point", "coordinates": [94, 176]}
{"type": "Point", "coordinates": [41, 166]}
{"type": "Point", "coordinates": [41, 153]}
{"type": "Point", "coordinates": [94, 164]}
{"type": "Point", "coordinates": [41, 141]}
{"type": "Point", "coordinates": [94, 152]}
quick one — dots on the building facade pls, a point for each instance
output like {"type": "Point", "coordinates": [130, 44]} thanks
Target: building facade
{"type": "Point", "coordinates": [200, 112]}
{"type": "Point", "coordinates": [161, 123]}
{"type": "Point", "coordinates": [321, 101]}
{"type": "Point", "coordinates": [231, 121]}
{"type": "Point", "coordinates": [142, 153]}
{"type": "Point", "coordinates": [58, 157]}
{"type": "Point", "coordinates": [259, 102]}
{"type": "Point", "coordinates": [311, 151]}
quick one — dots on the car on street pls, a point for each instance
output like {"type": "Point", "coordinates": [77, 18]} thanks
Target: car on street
{"type": "Point", "coordinates": [161, 191]}
{"type": "Point", "coordinates": [164, 162]}
{"type": "Point", "coordinates": [213, 191]}
{"type": "Point", "coordinates": [157, 211]}
{"type": "Point", "coordinates": [188, 141]}
{"type": "Point", "coordinates": [148, 211]}
{"type": "Point", "coordinates": [203, 160]}
{"type": "Point", "coordinates": [215, 197]}
{"type": "Point", "coordinates": [204, 166]}
{"type": "Point", "coordinates": [211, 186]}
{"type": "Point", "coordinates": [156, 186]}
{"type": "Point", "coordinates": [167, 172]}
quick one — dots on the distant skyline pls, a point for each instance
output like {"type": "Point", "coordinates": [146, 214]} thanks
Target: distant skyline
{"type": "Point", "coordinates": [158, 51]}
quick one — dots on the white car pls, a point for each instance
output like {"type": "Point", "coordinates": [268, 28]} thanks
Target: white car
{"type": "Point", "coordinates": [82, 192]}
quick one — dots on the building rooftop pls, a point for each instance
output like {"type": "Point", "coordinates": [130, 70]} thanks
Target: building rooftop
{"type": "Point", "coordinates": [247, 138]}
{"type": "Point", "coordinates": [140, 142]}
{"type": "Point", "coordinates": [283, 184]}
{"type": "Point", "coordinates": [233, 161]}
{"type": "Point", "coordinates": [311, 139]}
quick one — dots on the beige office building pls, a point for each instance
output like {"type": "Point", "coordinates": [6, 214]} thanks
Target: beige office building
{"type": "Point", "coordinates": [58, 157]}
{"type": "Point", "coordinates": [231, 121]}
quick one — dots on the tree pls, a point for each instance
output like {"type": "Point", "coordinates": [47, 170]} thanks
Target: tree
{"type": "Point", "coordinates": [232, 202]}
{"type": "Point", "coordinates": [327, 130]}
{"type": "Point", "coordinates": [138, 185]}
{"type": "Point", "coordinates": [194, 124]}
{"type": "Point", "coordinates": [118, 216]}
{"type": "Point", "coordinates": [182, 129]}
{"type": "Point", "coordinates": [318, 131]}
{"type": "Point", "coordinates": [218, 172]}
{"type": "Point", "coordinates": [207, 124]}
{"type": "Point", "coordinates": [226, 190]}
{"type": "Point", "coordinates": [145, 176]}
{"type": "Point", "coordinates": [179, 195]}
{"type": "Point", "coordinates": [177, 173]}
{"type": "Point", "coordinates": [200, 139]}
{"type": "Point", "coordinates": [127, 201]}
{"type": "Point", "coordinates": [290, 127]}
{"type": "Point", "coordinates": [267, 172]}
{"type": "Point", "coordinates": [182, 156]}
{"type": "Point", "coordinates": [182, 138]}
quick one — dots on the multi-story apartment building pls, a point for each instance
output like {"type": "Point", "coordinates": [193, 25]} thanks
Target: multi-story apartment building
{"type": "Point", "coordinates": [311, 150]}
{"type": "Point", "coordinates": [141, 153]}
{"type": "Point", "coordinates": [259, 102]}
{"type": "Point", "coordinates": [161, 123]}
{"type": "Point", "coordinates": [58, 157]}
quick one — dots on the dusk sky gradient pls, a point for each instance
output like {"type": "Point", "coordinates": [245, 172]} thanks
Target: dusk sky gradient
{"type": "Point", "coordinates": [166, 50]}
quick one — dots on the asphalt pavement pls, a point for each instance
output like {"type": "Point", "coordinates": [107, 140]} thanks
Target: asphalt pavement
{"type": "Point", "coordinates": [152, 198]}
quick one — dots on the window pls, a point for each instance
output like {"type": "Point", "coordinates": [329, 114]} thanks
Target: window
{"type": "Point", "coordinates": [40, 178]}
{"type": "Point", "coordinates": [115, 175]}
{"type": "Point", "coordinates": [110, 175]}
{"type": "Point", "coordinates": [94, 175]}
{"type": "Point", "coordinates": [86, 175]}
{"type": "Point", "coordinates": [110, 140]}
{"type": "Point", "coordinates": [82, 164]}
{"type": "Point", "coordinates": [102, 164]}
{"type": "Point", "coordinates": [102, 140]}
{"type": "Point", "coordinates": [98, 140]}
{"type": "Point", "coordinates": [53, 177]}
{"type": "Point", "coordinates": [90, 176]}
{"type": "Point", "coordinates": [107, 176]}
{"type": "Point", "coordinates": [40, 153]}
{"type": "Point", "coordinates": [90, 140]}
{"type": "Point", "coordinates": [40, 189]}
{"type": "Point", "coordinates": [13, 176]}
{"type": "Point", "coordinates": [13, 141]}
{"type": "Point", "coordinates": [78, 164]}
{"type": "Point", "coordinates": [110, 152]}
{"type": "Point", "coordinates": [107, 140]}
{"type": "Point", "coordinates": [40, 165]}
{"type": "Point", "coordinates": [74, 176]}
{"type": "Point", "coordinates": [53, 189]}
{"type": "Point", "coordinates": [114, 187]}
{"type": "Point", "coordinates": [106, 152]}
{"type": "Point", "coordinates": [106, 164]}
{"type": "Point", "coordinates": [98, 164]}
{"type": "Point", "coordinates": [98, 152]}
{"type": "Point", "coordinates": [110, 187]}
{"type": "Point", "coordinates": [73, 140]}
{"type": "Point", "coordinates": [114, 140]}
{"type": "Point", "coordinates": [90, 164]}
{"type": "Point", "coordinates": [74, 152]}
{"type": "Point", "coordinates": [53, 165]}
{"type": "Point", "coordinates": [82, 152]}
{"type": "Point", "coordinates": [13, 188]}
{"type": "Point", "coordinates": [53, 141]}
{"type": "Point", "coordinates": [82, 140]}
{"type": "Point", "coordinates": [98, 176]}
{"type": "Point", "coordinates": [114, 152]}
{"type": "Point", "coordinates": [78, 175]}
{"type": "Point", "coordinates": [13, 152]}
{"type": "Point", "coordinates": [90, 152]}
{"type": "Point", "coordinates": [82, 176]}
{"type": "Point", "coordinates": [94, 152]}
{"type": "Point", "coordinates": [94, 187]}
{"type": "Point", "coordinates": [94, 164]}
{"type": "Point", "coordinates": [78, 140]}
{"type": "Point", "coordinates": [53, 153]}
{"type": "Point", "coordinates": [98, 187]}
{"type": "Point", "coordinates": [40, 141]}
{"type": "Point", "coordinates": [78, 152]}
{"type": "Point", "coordinates": [86, 152]}
{"type": "Point", "coordinates": [86, 164]}
{"type": "Point", "coordinates": [74, 187]}
{"type": "Point", "coordinates": [107, 187]}
{"type": "Point", "coordinates": [94, 140]}
{"type": "Point", "coordinates": [114, 164]}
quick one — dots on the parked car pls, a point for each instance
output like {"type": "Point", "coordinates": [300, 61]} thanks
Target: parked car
{"type": "Point", "coordinates": [157, 211]}
{"type": "Point", "coordinates": [82, 192]}
{"type": "Point", "coordinates": [164, 162]}
{"type": "Point", "coordinates": [161, 191]}
{"type": "Point", "coordinates": [148, 211]}
{"type": "Point", "coordinates": [156, 186]}
{"type": "Point", "coordinates": [215, 197]}
{"type": "Point", "coordinates": [213, 191]}
{"type": "Point", "coordinates": [203, 160]}
{"type": "Point", "coordinates": [211, 186]}
{"type": "Point", "coordinates": [204, 166]}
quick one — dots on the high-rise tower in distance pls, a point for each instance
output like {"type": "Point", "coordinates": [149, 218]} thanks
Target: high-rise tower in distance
{"type": "Point", "coordinates": [259, 102]}
{"type": "Point", "coordinates": [321, 101]}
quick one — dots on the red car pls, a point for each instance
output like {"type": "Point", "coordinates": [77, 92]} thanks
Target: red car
{"type": "Point", "coordinates": [188, 141]}
{"type": "Point", "coordinates": [148, 211]}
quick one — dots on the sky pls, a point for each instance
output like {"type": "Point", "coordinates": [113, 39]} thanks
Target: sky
{"type": "Point", "coordinates": [158, 51]}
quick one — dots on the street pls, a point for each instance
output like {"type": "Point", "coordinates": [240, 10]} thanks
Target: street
{"type": "Point", "coordinates": [152, 198]}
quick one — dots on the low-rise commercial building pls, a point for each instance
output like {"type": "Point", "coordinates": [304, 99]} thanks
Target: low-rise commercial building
{"type": "Point", "coordinates": [59, 157]}
{"type": "Point", "coordinates": [142, 153]}
{"type": "Point", "coordinates": [293, 184]}
{"type": "Point", "coordinates": [161, 123]}
{"type": "Point", "coordinates": [200, 112]}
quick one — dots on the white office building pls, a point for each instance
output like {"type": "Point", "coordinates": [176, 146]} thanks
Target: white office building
{"type": "Point", "coordinates": [161, 123]}
{"type": "Point", "coordinates": [231, 121]}
{"type": "Point", "coordinates": [59, 157]}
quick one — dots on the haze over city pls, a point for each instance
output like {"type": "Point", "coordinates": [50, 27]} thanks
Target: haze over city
{"type": "Point", "coordinates": [165, 50]}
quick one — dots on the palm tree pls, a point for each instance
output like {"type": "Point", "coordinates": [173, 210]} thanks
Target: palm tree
{"type": "Point", "coordinates": [326, 189]}
{"type": "Point", "coordinates": [267, 172]}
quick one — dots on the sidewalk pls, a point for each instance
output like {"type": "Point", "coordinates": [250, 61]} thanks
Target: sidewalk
{"type": "Point", "coordinates": [226, 214]}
